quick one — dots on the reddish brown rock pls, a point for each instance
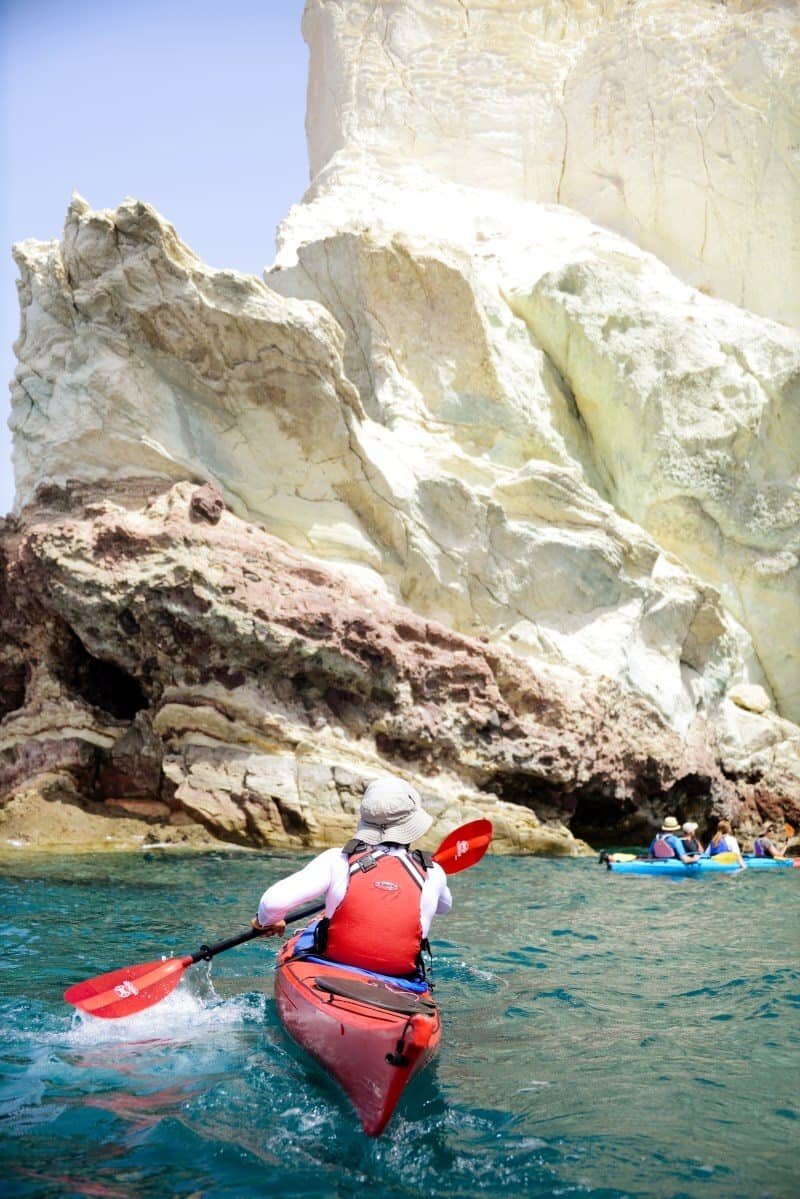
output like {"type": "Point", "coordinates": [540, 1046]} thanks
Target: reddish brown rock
{"type": "Point", "coordinates": [207, 504]}
{"type": "Point", "coordinates": [209, 669]}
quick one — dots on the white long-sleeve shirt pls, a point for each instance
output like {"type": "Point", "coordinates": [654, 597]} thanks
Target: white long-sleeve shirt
{"type": "Point", "coordinates": [328, 874]}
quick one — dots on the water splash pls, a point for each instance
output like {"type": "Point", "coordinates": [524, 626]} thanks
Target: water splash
{"type": "Point", "coordinates": [190, 1012]}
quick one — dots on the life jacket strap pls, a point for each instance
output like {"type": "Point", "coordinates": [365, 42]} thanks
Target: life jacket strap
{"type": "Point", "coordinates": [417, 862]}
{"type": "Point", "coordinates": [425, 973]}
{"type": "Point", "coordinates": [368, 862]}
{"type": "Point", "coordinates": [354, 845]}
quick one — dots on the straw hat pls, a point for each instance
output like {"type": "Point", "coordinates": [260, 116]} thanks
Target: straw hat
{"type": "Point", "coordinates": [392, 810]}
{"type": "Point", "coordinates": [670, 825]}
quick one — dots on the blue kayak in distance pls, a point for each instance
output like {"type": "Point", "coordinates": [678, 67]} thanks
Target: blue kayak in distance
{"type": "Point", "coordinates": [672, 868]}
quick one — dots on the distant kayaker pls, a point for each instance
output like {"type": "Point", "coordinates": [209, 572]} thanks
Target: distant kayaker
{"type": "Point", "coordinates": [723, 841]}
{"type": "Point", "coordinates": [380, 895]}
{"type": "Point", "coordinates": [764, 846]}
{"type": "Point", "coordinates": [691, 844]}
{"type": "Point", "coordinates": [668, 844]}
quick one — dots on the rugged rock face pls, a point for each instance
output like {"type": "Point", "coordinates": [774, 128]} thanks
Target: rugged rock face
{"type": "Point", "coordinates": [467, 488]}
{"type": "Point", "coordinates": [187, 667]}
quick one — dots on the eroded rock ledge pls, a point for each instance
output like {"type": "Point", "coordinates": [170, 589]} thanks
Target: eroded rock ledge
{"type": "Point", "coordinates": [168, 660]}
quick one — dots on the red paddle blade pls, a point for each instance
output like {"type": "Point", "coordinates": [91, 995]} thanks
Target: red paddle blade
{"type": "Point", "coordinates": [129, 990]}
{"type": "Point", "coordinates": [464, 847]}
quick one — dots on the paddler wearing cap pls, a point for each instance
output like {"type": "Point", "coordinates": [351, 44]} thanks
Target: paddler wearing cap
{"type": "Point", "coordinates": [380, 895]}
{"type": "Point", "coordinates": [764, 846]}
{"type": "Point", "coordinates": [691, 842]}
{"type": "Point", "coordinates": [667, 842]}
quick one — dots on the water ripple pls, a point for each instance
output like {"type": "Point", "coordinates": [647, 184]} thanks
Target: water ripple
{"type": "Point", "coordinates": [601, 1039]}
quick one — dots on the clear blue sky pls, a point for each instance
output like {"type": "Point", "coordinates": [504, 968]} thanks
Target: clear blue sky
{"type": "Point", "coordinates": [196, 106]}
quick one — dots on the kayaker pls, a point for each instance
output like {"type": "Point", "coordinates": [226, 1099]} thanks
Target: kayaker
{"type": "Point", "coordinates": [691, 844]}
{"type": "Point", "coordinates": [764, 846]}
{"type": "Point", "coordinates": [380, 896]}
{"type": "Point", "coordinates": [723, 841]}
{"type": "Point", "coordinates": [668, 844]}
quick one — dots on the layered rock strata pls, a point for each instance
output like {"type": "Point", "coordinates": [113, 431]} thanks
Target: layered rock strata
{"type": "Point", "coordinates": [190, 667]}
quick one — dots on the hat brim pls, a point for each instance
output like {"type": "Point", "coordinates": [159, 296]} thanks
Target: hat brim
{"type": "Point", "coordinates": [402, 831]}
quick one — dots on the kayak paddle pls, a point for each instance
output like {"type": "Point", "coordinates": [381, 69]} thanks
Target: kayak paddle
{"type": "Point", "coordinates": [133, 988]}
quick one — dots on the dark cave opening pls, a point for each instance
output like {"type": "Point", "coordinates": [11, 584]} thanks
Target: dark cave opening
{"type": "Point", "coordinates": [12, 688]}
{"type": "Point", "coordinates": [100, 683]}
{"type": "Point", "coordinates": [600, 816]}
{"type": "Point", "coordinates": [594, 813]}
{"type": "Point", "coordinates": [548, 800]}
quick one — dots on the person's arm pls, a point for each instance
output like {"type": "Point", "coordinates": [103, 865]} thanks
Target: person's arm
{"type": "Point", "coordinates": [304, 885]}
{"type": "Point", "coordinates": [445, 899]}
{"type": "Point", "coordinates": [729, 844]}
{"type": "Point", "coordinates": [435, 899]}
{"type": "Point", "coordinates": [677, 847]}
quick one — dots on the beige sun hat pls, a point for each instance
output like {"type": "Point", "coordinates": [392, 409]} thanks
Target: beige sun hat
{"type": "Point", "coordinates": [670, 825]}
{"type": "Point", "coordinates": [392, 810]}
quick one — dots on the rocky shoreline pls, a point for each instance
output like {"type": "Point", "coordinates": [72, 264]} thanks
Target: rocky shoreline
{"type": "Point", "coordinates": [198, 681]}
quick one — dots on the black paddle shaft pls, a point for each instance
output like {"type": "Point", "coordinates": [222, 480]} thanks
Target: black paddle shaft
{"type": "Point", "coordinates": [206, 952]}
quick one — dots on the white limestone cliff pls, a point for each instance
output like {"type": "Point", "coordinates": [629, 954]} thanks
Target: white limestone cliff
{"type": "Point", "coordinates": [673, 122]}
{"type": "Point", "coordinates": [478, 408]}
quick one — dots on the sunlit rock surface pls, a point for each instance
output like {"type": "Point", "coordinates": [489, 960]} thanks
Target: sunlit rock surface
{"type": "Point", "coordinates": [673, 122]}
{"type": "Point", "coordinates": [468, 488]}
{"type": "Point", "coordinates": [569, 348]}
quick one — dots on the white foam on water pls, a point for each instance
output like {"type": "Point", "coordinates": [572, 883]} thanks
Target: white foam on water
{"type": "Point", "coordinates": [306, 1120]}
{"type": "Point", "coordinates": [186, 1013]}
{"type": "Point", "coordinates": [476, 972]}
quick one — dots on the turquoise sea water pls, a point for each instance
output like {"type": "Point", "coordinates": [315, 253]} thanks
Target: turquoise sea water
{"type": "Point", "coordinates": [603, 1036]}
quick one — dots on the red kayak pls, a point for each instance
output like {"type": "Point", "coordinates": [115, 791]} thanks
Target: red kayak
{"type": "Point", "coordinates": [371, 1033]}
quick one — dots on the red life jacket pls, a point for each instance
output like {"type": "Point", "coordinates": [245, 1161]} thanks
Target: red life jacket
{"type": "Point", "coordinates": [377, 925]}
